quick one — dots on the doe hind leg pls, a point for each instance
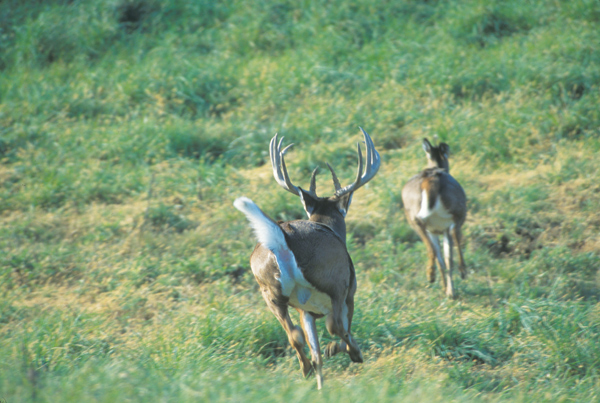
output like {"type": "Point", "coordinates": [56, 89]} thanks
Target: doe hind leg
{"type": "Point", "coordinates": [446, 273]}
{"type": "Point", "coordinates": [457, 237]}
{"type": "Point", "coordinates": [419, 228]}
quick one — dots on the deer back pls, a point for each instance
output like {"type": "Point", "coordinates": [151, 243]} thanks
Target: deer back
{"type": "Point", "coordinates": [432, 186]}
{"type": "Point", "coordinates": [320, 254]}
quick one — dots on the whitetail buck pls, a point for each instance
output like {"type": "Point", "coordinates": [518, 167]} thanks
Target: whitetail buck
{"type": "Point", "coordinates": [305, 264]}
{"type": "Point", "coordinates": [435, 204]}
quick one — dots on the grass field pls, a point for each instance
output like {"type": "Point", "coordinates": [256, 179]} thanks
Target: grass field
{"type": "Point", "coordinates": [128, 127]}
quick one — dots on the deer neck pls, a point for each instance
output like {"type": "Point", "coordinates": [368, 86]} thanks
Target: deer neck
{"type": "Point", "coordinates": [337, 224]}
{"type": "Point", "coordinates": [439, 164]}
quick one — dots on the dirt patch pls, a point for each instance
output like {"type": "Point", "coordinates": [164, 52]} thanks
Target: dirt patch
{"type": "Point", "coordinates": [500, 242]}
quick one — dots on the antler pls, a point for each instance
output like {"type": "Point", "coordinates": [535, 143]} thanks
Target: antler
{"type": "Point", "coordinates": [280, 171]}
{"type": "Point", "coordinates": [371, 168]}
{"type": "Point", "coordinates": [281, 175]}
{"type": "Point", "coordinates": [278, 162]}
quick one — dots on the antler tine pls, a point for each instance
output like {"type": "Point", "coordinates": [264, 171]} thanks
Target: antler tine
{"type": "Point", "coordinates": [313, 182]}
{"type": "Point", "coordinates": [371, 167]}
{"type": "Point", "coordinates": [370, 151]}
{"type": "Point", "coordinates": [278, 163]}
{"type": "Point", "coordinates": [373, 159]}
{"type": "Point", "coordinates": [360, 164]}
{"type": "Point", "coordinates": [336, 181]}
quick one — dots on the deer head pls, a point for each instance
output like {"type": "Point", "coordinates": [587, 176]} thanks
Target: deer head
{"type": "Point", "coordinates": [330, 210]}
{"type": "Point", "coordinates": [437, 156]}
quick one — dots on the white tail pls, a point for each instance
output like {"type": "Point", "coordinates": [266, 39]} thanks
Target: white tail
{"type": "Point", "coordinates": [266, 230]}
{"type": "Point", "coordinates": [270, 234]}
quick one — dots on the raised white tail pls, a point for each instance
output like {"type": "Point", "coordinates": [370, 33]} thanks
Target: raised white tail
{"type": "Point", "coordinates": [266, 230]}
{"type": "Point", "coordinates": [271, 236]}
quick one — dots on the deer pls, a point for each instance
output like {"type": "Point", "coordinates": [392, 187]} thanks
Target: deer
{"type": "Point", "coordinates": [435, 204]}
{"type": "Point", "coordinates": [304, 264]}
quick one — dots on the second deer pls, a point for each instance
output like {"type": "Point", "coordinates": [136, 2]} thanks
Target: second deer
{"type": "Point", "coordinates": [305, 264]}
{"type": "Point", "coordinates": [435, 204]}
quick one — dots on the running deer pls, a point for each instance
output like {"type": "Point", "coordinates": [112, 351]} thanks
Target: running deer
{"type": "Point", "coordinates": [305, 264]}
{"type": "Point", "coordinates": [435, 204]}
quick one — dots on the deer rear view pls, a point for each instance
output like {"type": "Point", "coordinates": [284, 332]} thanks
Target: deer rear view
{"type": "Point", "coordinates": [305, 264]}
{"type": "Point", "coordinates": [435, 204]}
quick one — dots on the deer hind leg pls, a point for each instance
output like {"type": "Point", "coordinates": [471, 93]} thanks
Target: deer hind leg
{"type": "Point", "coordinates": [334, 347]}
{"type": "Point", "coordinates": [457, 237]}
{"type": "Point", "coordinates": [431, 254]}
{"type": "Point", "coordinates": [450, 292]}
{"type": "Point", "coordinates": [338, 324]}
{"type": "Point", "coordinates": [294, 333]}
{"type": "Point", "coordinates": [310, 330]}
{"type": "Point", "coordinates": [446, 279]}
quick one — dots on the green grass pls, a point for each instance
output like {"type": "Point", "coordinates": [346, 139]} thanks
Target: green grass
{"type": "Point", "coordinates": [128, 127]}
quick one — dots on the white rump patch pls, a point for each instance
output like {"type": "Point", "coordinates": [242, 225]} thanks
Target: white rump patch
{"type": "Point", "coordinates": [437, 219]}
{"type": "Point", "coordinates": [317, 302]}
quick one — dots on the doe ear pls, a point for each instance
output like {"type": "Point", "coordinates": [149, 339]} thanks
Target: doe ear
{"type": "Point", "coordinates": [309, 201]}
{"type": "Point", "coordinates": [444, 149]}
{"type": "Point", "coordinates": [343, 203]}
{"type": "Point", "coordinates": [427, 146]}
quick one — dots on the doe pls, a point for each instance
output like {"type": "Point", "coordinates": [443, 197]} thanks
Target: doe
{"type": "Point", "coordinates": [435, 204]}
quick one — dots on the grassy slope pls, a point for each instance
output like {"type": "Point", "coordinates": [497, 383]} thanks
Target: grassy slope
{"type": "Point", "coordinates": [128, 127]}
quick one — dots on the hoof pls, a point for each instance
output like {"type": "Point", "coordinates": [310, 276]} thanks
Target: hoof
{"type": "Point", "coordinates": [431, 275]}
{"type": "Point", "coordinates": [308, 371]}
{"type": "Point", "coordinates": [356, 356]}
{"type": "Point", "coordinates": [452, 295]}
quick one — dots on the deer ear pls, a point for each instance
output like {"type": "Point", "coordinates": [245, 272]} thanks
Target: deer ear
{"type": "Point", "coordinates": [343, 204]}
{"type": "Point", "coordinates": [444, 149]}
{"type": "Point", "coordinates": [309, 201]}
{"type": "Point", "coordinates": [427, 147]}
